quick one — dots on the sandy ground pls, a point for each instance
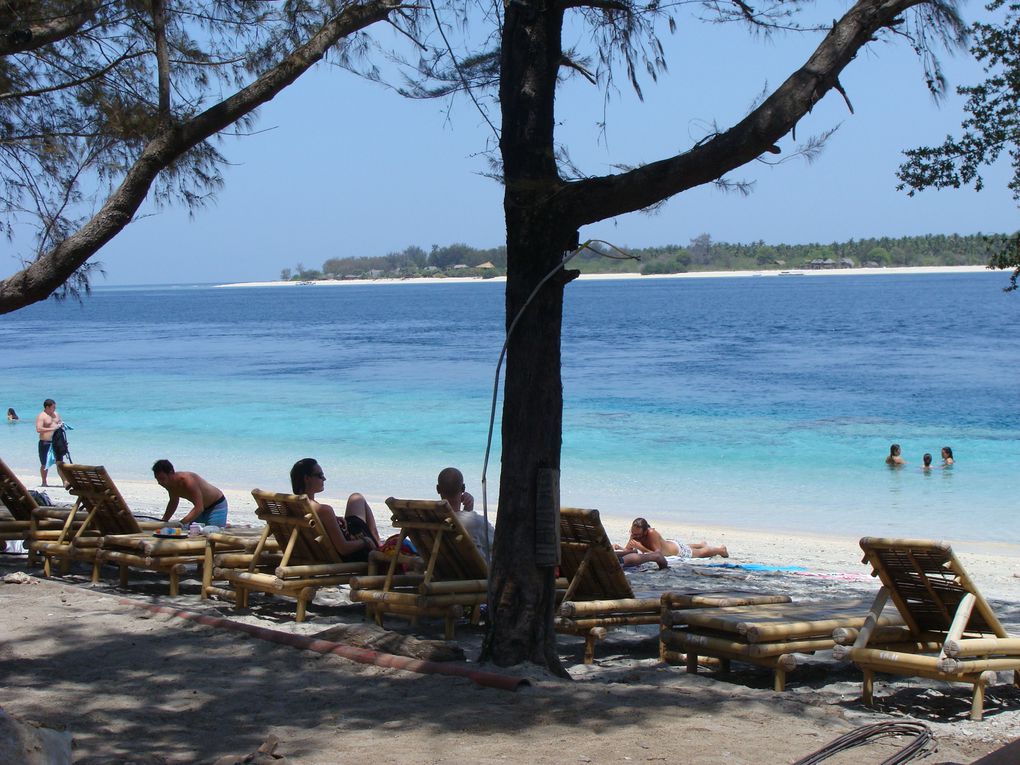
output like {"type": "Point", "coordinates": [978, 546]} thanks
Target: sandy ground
{"type": "Point", "coordinates": [125, 680]}
{"type": "Point", "coordinates": [649, 277]}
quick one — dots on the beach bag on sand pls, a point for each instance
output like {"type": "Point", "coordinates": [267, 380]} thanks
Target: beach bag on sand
{"type": "Point", "coordinates": [42, 499]}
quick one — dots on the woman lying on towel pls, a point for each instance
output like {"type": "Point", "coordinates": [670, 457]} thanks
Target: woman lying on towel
{"type": "Point", "coordinates": [645, 540]}
{"type": "Point", "coordinates": [355, 535]}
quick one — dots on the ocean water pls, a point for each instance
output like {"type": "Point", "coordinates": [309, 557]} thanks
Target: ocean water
{"type": "Point", "coordinates": [764, 403]}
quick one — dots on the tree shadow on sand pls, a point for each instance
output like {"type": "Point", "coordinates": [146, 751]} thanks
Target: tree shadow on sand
{"type": "Point", "coordinates": [125, 680]}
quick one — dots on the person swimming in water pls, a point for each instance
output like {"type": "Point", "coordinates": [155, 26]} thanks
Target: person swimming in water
{"type": "Point", "coordinates": [894, 459]}
{"type": "Point", "coordinates": [947, 457]}
{"type": "Point", "coordinates": [926, 459]}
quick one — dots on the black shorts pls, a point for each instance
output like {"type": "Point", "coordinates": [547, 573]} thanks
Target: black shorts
{"type": "Point", "coordinates": [44, 451]}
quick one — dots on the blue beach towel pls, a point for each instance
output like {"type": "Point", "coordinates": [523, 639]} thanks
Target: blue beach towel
{"type": "Point", "coordinates": [755, 566]}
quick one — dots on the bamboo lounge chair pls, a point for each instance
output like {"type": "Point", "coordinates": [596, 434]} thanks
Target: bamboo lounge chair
{"type": "Point", "coordinates": [951, 632]}
{"type": "Point", "coordinates": [111, 534]}
{"type": "Point", "coordinates": [455, 576]}
{"type": "Point", "coordinates": [766, 635]}
{"type": "Point", "coordinates": [308, 561]}
{"type": "Point", "coordinates": [21, 506]}
{"type": "Point", "coordinates": [599, 595]}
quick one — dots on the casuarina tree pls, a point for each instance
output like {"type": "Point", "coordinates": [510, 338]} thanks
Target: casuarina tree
{"type": "Point", "coordinates": [546, 212]}
{"type": "Point", "coordinates": [101, 102]}
{"type": "Point", "coordinates": [992, 125]}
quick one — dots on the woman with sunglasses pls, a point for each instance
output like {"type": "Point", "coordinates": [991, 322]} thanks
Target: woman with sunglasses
{"type": "Point", "coordinates": [354, 537]}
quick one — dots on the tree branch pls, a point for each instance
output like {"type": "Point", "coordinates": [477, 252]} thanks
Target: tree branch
{"type": "Point", "coordinates": [594, 199]}
{"type": "Point", "coordinates": [35, 36]}
{"type": "Point", "coordinates": [162, 60]}
{"type": "Point", "coordinates": [40, 279]}
{"type": "Point", "coordinates": [99, 74]}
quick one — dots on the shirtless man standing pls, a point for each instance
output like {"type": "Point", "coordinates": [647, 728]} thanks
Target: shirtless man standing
{"type": "Point", "coordinates": [210, 506]}
{"type": "Point", "coordinates": [46, 424]}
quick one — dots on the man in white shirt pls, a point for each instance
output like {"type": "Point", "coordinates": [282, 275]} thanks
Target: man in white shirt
{"type": "Point", "coordinates": [450, 486]}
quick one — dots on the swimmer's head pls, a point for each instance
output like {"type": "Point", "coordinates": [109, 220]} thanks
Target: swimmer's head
{"type": "Point", "coordinates": [927, 459]}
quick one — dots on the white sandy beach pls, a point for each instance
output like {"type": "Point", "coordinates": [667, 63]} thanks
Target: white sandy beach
{"type": "Point", "coordinates": [630, 276]}
{"type": "Point", "coordinates": [994, 564]}
{"type": "Point", "coordinates": [131, 684]}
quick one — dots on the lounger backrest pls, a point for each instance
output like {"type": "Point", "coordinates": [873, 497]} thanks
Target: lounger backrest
{"type": "Point", "coordinates": [440, 539]}
{"type": "Point", "coordinates": [14, 496]}
{"type": "Point", "coordinates": [582, 537]}
{"type": "Point", "coordinates": [283, 513]}
{"type": "Point", "coordinates": [99, 496]}
{"type": "Point", "coordinates": [927, 582]}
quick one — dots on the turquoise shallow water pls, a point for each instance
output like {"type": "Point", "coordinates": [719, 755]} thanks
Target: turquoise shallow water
{"type": "Point", "coordinates": [754, 402]}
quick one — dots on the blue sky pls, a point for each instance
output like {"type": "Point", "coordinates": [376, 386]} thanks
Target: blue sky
{"type": "Point", "coordinates": [342, 167]}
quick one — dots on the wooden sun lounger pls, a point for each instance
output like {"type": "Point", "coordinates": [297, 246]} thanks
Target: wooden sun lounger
{"type": "Point", "coordinates": [234, 548]}
{"type": "Point", "coordinates": [599, 595]}
{"type": "Point", "coordinates": [309, 560]}
{"type": "Point", "coordinates": [950, 633]}
{"type": "Point", "coordinates": [16, 524]}
{"type": "Point", "coordinates": [455, 577]}
{"type": "Point", "coordinates": [110, 533]}
{"type": "Point", "coordinates": [766, 635]}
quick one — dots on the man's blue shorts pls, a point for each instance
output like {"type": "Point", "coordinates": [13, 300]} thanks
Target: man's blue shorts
{"type": "Point", "coordinates": [215, 514]}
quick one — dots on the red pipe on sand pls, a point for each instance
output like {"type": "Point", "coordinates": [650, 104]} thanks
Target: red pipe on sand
{"type": "Point", "coordinates": [362, 655]}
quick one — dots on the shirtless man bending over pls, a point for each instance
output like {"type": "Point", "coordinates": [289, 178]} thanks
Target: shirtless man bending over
{"type": "Point", "coordinates": [210, 506]}
{"type": "Point", "coordinates": [46, 424]}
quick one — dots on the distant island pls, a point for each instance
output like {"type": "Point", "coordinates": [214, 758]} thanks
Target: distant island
{"type": "Point", "coordinates": [701, 254]}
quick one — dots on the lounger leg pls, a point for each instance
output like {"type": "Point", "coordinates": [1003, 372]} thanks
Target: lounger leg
{"type": "Point", "coordinates": [124, 578]}
{"type": "Point", "coordinates": [240, 598]}
{"type": "Point", "coordinates": [95, 570]}
{"type": "Point", "coordinates": [589, 648]}
{"type": "Point", "coordinates": [300, 608]}
{"type": "Point", "coordinates": [448, 630]}
{"type": "Point", "coordinates": [175, 583]}
{"type": "Point", "coordinates": [207, 567]}
{"type": "Point", "coordinates": [977, 704]}
{"type": "Point", "coordinates": [46, 566]}
{"type": "Point", "coordinates": [692, 662]}
{"type": "Point", "coordinates": [1016, 678]}
{"type": "Point", "coordinates": [868, 688]}
{"type": "Point", "coordinates": [779, 680]}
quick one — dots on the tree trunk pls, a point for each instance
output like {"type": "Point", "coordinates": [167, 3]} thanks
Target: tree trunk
{"type": "Point", "coordinates": [522, 578]}
{"type": "Point", "coordinates": [521, 582]}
